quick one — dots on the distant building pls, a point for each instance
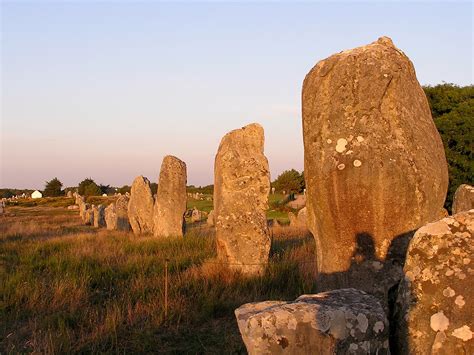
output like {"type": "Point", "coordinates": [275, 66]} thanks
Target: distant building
{"type": "Point", "coordinates": [36, 194]}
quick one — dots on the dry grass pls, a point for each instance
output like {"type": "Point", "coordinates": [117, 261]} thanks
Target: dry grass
{"type": "Point", "coordinates": [67, 288]}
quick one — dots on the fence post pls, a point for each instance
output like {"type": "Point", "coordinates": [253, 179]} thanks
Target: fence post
{"type": "Point", "coordinates": [166, 288]}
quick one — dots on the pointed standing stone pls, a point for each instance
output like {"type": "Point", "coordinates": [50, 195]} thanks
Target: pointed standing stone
{"type": "Point", "coordinates": [374, 161]}
{"type": "Point", "coordinates": [241, 189]}
{"type": "Point", "coordinates": [170, 205]}
{"type": "Point", "coordinates": [140, 206]}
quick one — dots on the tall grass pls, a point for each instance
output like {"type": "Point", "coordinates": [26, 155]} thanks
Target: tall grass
{"type": "Point", "coordinates": [71, 288]}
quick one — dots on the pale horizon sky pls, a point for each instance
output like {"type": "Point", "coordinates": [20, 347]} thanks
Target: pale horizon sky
{"type": "Point", "coordinates": [106, 89]}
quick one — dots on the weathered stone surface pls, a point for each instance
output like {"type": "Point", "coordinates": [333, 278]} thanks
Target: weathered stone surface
{"type": "Point", "coordinates": [170, 203]}
{"type": "Point", "coordinates": [463, 198]}
{"type": "Point", "coordinates": [293, 219]}
{"type": "Point", "coordinates": [116, 215]}
{"type": "Point", "coordinates": [73, 207]}
{"type": "Point", "coordinates": [346, 321]}
{"type": "Point", "coordinates": [99, 216]}
{"type": "Point", "coordinates": [241, 188]}
{"type": "Point", "coordinates": [374, 161]}
{"type": "Point", "coordinates": [69, 194]}
{"type": "Point", "coordinates": [89, 215]}
{"type": "Point", "coordinates": [140, 206]}
{"type": "Point", "coordinates": [196, 215]}
{"type": "Point", "coordinates": [302, 217]}
{"type": "Point", "coordinates": [210, 219]}
{"type": "Point", "coordinates": [79, 199]}
{"type": "Point", "coordinates": [298, 219]}
{"type": "Point", "coordinates": [435, 303]}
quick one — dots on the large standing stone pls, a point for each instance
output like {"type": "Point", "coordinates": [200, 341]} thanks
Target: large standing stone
{"type": "Point", "coordinates": [140, 206]}
{"type": "Point", "coordinates": [346, 321]}
{"type": "Point", "coordinates": [170, 204]}
{"type": "Point", "coordinates": [241, 188]}
{"type": "Point", "coordinates": [463, 198]}
{"type": "Point", "coordinates": [374, 161]}
{"type": "Point", "coordinates": [435, 304]}
{"type": "Point", "coordinates": [116, 214]}
{"type": "Point", "coordinates": [99, 216]}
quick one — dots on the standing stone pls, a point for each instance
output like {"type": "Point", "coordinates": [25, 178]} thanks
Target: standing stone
{"type": "Point", "coordinates": [89, 215]}
{"type": "Point", "coordinates": [140, 206]}
{"type": "Point", "coordinates": [241, 189]}
{"type": "Point", "coordinates": [346, 321]}
{"type": "Point", "coordinates": [196, 215]}
{"type": "Point", "coordinates": [463, 198]}
{"type": "Point", "coordinates": [83, 207]}
{"type": "Point", "coordinates": [293, 219]}
{"type": "Point", "coordinates": [170, 206]}
{"type": "Point", "coordinates": [99, 216]}
{"type": "Point", "coordinates": [435, 304]}
{"type": "Point", "coordinates": [210, 219]}
{"type": "Point", "coordinates": [116, 214]}
{"type": "Point", "coordinates": [301, 218]}
{"type": "Point", "coordinates": [69, 194]}
{"type": "Point", "coordinates": [79, 199]}
{"type": "Point", "coordinates": [375, 167]}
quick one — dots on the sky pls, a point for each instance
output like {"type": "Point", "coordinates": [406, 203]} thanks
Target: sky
{"type": "Point", "coordinates": [106, 89]}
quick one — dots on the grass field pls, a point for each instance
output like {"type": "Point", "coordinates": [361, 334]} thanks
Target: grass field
{"type": "Point", "coordinates": [65, 287]}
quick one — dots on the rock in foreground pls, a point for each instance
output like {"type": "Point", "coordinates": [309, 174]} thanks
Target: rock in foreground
{"type": "Point", "coordinates": [241, 188]}
{"type": "Point", "coordinates": [435, 306]}
{"type": "Point", "coordinates": [346, 321]}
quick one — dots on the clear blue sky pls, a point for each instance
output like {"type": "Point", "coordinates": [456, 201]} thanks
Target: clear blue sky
{"type": "Point", "coordinates": [105, 90]}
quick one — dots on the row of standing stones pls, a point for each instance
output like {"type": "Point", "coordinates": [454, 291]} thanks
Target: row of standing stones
{"type": "Point", "coordinates": [375, 174]}
{"type": "Point", "coordinates": [393, 274]}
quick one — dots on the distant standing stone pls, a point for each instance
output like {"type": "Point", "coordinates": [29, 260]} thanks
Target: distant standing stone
{"type": "Point", "coordinates": [241, 189]}
{"type": "Point", "coordinates": [463, 198]}
{"type": "Point", "coordinates": [116, 214]}
{"type": "Point", "coordinates": [140, 206]}
{"type": "Point", "coordinates": [170, 205]}
{"type": "Point", "coordinates": [435, 305]}
{"type": "Point", "coordinates": [196, 215]}
{"type": "Point", "coordinates": [374, 161]}
{"type": "Point", "coordinates": [99, 216]}
{"type": "Point", "coordinates": [89, 215]}
{"type": "Point", "coordinates": [210, 219]}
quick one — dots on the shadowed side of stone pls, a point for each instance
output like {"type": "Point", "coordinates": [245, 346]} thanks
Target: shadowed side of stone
{"type": "Point", "coordinates": [434, 309]}
{"type": "Point", "coordinates": [241, 189]}
{"type": "Point", "coordinates": [346, 321]}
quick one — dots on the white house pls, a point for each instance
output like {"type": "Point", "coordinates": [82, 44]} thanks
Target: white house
{"type": "Point", "coordinates": [36, 194]}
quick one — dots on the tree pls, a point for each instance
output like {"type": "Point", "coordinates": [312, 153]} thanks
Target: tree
{"type": "Point", "coordinates": [290, 181]}
{"type": "Point", "coordinates": [53, 188]}
{"type": "Point", "coordinates": [124, 189]}
{"type": "Point", "coordinates": [88, 187]}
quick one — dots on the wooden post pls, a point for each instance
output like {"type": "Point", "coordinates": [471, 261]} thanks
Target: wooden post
{"type": "Point", "coordinates": [166, 288]}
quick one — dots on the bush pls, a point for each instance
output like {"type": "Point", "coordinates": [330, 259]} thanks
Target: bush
{"type": "Point", "coordinates": [53, 188]}
{"type": "Point", "coordinates": [452, 108]}
{"type": "Point", "coordinates": [88, 187]}
{"type": "Point", "coordinates": [290, 181]}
